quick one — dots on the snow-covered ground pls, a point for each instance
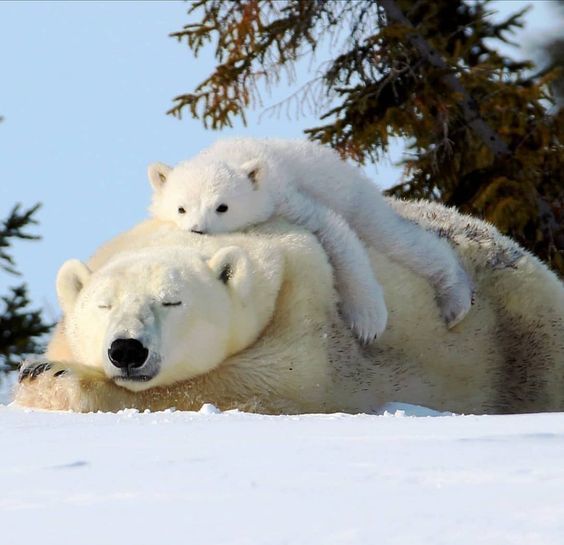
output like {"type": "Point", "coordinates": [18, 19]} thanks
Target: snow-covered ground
{"type": "Point", "coordinates": [213, 478]}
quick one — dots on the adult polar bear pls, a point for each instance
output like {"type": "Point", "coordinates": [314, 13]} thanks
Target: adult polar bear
{"type": "Point", "coordinates": [284, 349]}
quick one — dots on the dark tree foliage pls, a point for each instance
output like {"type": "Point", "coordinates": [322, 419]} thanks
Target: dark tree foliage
{"type": "Point", "coordinates": [554, 50]}
{"type": "Point", "coordinates": [483, 133]}
{"type": "Point", "coordinates": [21, 328]}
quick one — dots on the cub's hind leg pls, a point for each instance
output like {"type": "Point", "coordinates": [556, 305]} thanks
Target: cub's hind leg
{"type": "Point", "coordinates": [419, 250]}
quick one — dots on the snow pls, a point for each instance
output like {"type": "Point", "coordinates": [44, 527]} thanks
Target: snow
{"type": "Point", "coordinates": [233, 478]}
{"type": "Point", "coordinates": [8, 380]}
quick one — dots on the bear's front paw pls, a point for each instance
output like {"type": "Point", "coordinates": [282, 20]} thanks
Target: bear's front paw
{"type": "Point", "coordinates": [54, 385]}
{"type": "Point", "coordinates": [46, 384]}
{"type": "Point", "coordinates": [31, 370]}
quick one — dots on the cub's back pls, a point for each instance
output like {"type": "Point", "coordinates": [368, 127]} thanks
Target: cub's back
{"type": "Point", "coordinates": [309, 166]}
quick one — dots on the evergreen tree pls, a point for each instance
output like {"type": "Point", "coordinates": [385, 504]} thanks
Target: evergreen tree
{"type": "Point", "coordinates": [483, 134]}
{"type": "Point", "coordinates": [20, 327]}
{"type": "Point", "coordinates": [555, 52]}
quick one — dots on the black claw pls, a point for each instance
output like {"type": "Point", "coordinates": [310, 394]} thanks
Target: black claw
{"type": "Point", "coordinates": [39, 369]}
{"type": "Point", "coordinates": [59, 373]}
{"type": "Point", "coordinates": [33, 371]}
{"type": "Point", "coordinates": [24, 373]}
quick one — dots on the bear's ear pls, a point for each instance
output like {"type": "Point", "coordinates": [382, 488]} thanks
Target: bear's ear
{"type": "Point", "coordinates": [158, 173]}
{"type": "Point", "coordinates": [71, 278]}
{"type": "Point", "coordinates": [255, 170]}
{"type": "Point", "coordinates": [231, 266]}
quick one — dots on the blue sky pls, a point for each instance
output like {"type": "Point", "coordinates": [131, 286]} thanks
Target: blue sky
{"type": "Point", "coordinates": [85, 87]}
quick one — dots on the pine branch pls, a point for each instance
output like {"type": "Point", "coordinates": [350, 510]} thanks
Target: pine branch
{"type": "Point", "coordinates": [468, 105]}
{"type": "Point", "coordinates": [481, 136]}
{"type": "Point", "coordinates": [21, 329]}
{"type": "Point", "coordinates": [14, 228]}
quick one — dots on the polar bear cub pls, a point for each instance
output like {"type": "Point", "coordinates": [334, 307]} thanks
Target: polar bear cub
{"type": "Point", "coordinates": [241, 182]}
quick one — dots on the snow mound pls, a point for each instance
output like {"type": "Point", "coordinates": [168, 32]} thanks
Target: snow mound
{"type": "Point", "coordinates": [233, 478]}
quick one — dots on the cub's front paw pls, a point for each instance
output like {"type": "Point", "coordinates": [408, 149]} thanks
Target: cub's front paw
{"type": "Point", "coordinates": [367, 319]}
{"type": "Point", "coordinates": [456, 301]}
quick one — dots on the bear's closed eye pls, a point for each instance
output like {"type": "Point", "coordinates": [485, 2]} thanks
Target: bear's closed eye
{"type": "Point", "coordinates": [175, 304]}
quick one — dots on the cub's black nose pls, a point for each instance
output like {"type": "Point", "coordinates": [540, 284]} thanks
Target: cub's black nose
{"type": "Point", "coordinates": [127, 353]}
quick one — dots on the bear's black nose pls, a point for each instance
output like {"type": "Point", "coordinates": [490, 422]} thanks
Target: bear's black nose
{"type": "Point", "coordinates": [127, 353]}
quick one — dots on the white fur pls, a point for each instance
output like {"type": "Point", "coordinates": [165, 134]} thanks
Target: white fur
{"type": "Point", "coordinates": [289, 351]}
{"type": "Point", "coordinates": [311, 186]}
{"type": "Point", "coordinates": [175, 302]}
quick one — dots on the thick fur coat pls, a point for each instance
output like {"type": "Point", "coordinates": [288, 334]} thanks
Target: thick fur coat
{"type": "Point", "coordinates": [507, 356]}
{"type": "Point", "coordinates": [241, 182]}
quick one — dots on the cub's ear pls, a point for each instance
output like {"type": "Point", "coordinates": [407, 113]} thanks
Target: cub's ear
{"type": "Point", "coordinates": [71, 278]}
{"type": "Point", "coordinates": [158, 174]}
{"type": "Point", "coordinates": [255, 169]}
{"type": "Point", "coordinates": [231, 265]}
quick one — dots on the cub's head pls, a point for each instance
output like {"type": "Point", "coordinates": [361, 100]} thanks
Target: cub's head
{"type": "Point", "coordinates": [151, 318]}
{"type": "Point", "coordinates": [206, 196]}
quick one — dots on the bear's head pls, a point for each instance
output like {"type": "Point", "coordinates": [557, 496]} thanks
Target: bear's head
{"type": "Point", "coordinates": [208, 196]}
{"type": "Point", "coordinates": [157, 316]}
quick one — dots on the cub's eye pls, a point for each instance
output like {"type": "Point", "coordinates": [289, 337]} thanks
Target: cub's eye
{"type": "Point", "coordinates": [175, 304]}
{"type": "Point", "coordinates": [181, 210]}
{"type": "Point", "coordinates": [222, 208]}
{"type": "Point", "coordinates": [105, 307]}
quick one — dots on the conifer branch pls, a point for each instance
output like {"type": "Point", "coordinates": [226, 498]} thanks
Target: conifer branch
{"type": "Point", "coordinates": [468, 105]}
